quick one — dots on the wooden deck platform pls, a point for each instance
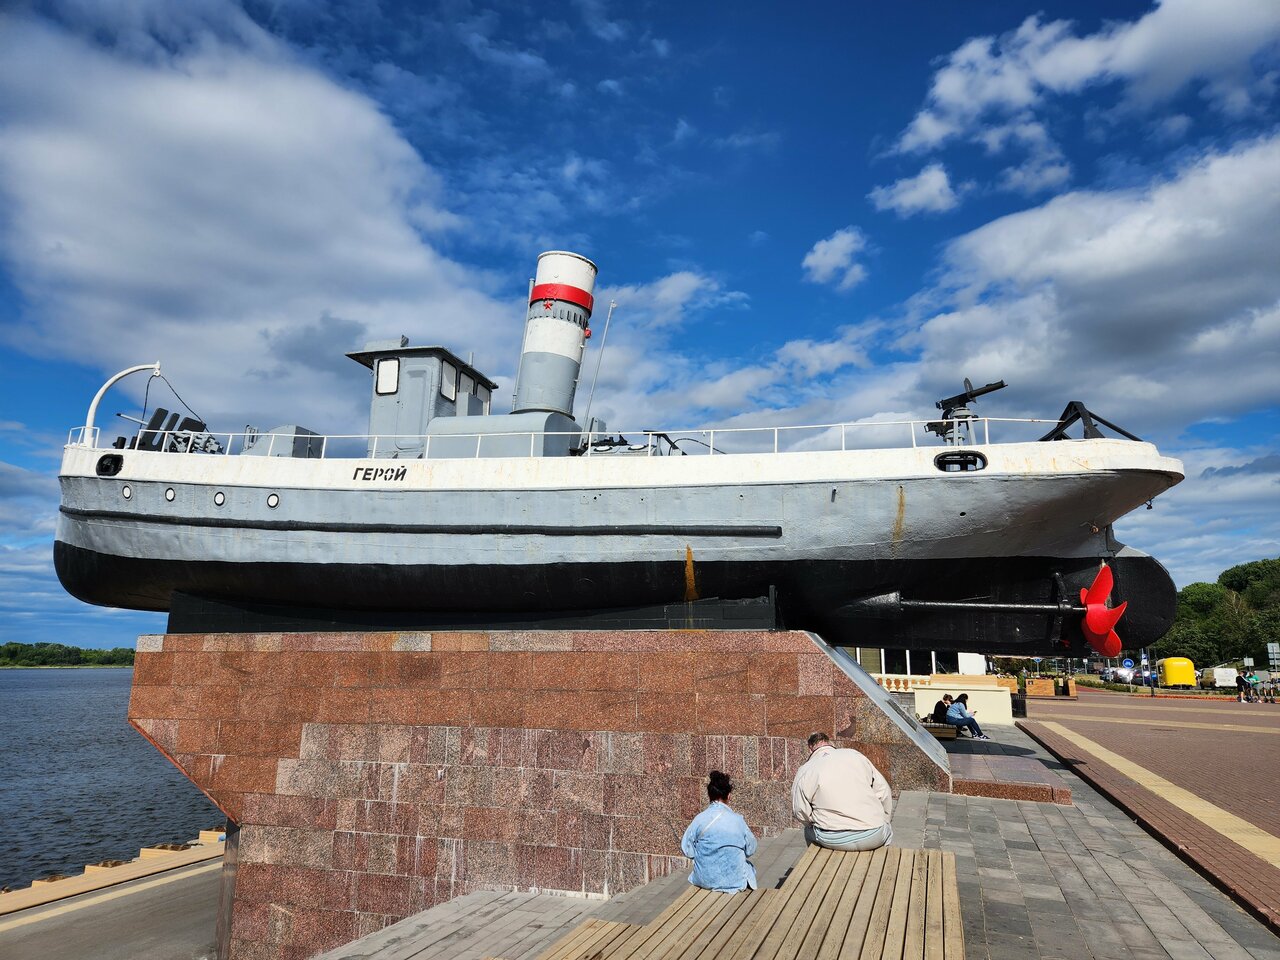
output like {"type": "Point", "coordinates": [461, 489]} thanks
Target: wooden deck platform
{"type": "Point", "coordinates": [888, 904]}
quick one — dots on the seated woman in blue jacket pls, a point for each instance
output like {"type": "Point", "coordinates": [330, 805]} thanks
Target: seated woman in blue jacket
{"type": "Point", "coordinates": [958, 715]}
{"type": "Point", "coordinates": [719, 843]}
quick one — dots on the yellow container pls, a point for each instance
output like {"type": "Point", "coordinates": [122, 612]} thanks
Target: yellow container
{"type": "Point", "coordinates": [1175, 672]}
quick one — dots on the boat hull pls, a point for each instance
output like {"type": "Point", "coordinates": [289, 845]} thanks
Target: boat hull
{"type": "Point", "coordinates": [819, 595]}
{"type": "Point", "coordinates": [827, 532]}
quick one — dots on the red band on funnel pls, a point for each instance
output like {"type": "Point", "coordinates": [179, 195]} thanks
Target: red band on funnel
{"type": "Point", "coordinates": [562, 291]}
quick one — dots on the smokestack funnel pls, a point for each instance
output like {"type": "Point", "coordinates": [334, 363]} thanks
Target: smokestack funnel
{"type": "Point", "coordinates": [555, 333]}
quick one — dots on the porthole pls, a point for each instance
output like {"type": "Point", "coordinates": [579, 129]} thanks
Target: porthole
{"type": "Point", "coordinates": [127, 492]}
{"type": "Point", "coordinates": [273, 501]}
{"type": "Point", "coordinates": [960, 461]}
{"type": "Point", "coordinates": [109, 464]}
{"type": "Point", "coordinates": [219, 498]}
{"type": "Point", "coordinates": [169, 494]}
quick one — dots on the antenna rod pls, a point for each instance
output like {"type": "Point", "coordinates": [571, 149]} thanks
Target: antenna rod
{"type": "Point", "coordinates": [604, 338]}
{"type": "Point", "coordinates": [524, 338]}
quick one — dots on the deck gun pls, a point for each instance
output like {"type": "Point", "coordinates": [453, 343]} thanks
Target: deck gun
{"type": "Point", "coordinates": [955, 410]}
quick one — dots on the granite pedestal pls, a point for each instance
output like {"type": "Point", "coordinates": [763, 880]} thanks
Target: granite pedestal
{"type": "Point", "coordinates": [373, 775]}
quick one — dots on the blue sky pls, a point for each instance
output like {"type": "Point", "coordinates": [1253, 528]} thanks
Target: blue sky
{"type": "Point", "coordinates": [833, 212]}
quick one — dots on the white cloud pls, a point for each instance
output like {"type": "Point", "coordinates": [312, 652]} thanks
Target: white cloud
{"type": "Point", "coordinates": [990, 89]}
{"type": "Point", "coordinates": [1161, 301]}
{"type": "Point", "coordinates": [833, 260]}
{"type": "Point", "coordinates": [611, 87]}
{"type": "Point", "coordinates": [595, 16]}
{"type": "Point", "coordinates": [196, 206]}
{"type": "Point", "coordinates": [1178, 42]}
{"type": "Point", "coordinates": [929, 191]}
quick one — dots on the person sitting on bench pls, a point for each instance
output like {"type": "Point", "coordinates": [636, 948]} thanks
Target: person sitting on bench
{"type": "Point", "coordinates": [960, 718]}
{"type": "Point", "coordinates": [719, 842]}
{"type": "Point", "coordinates": [940, 709]}
{"type": "Point", "coordinates": [841, 798]}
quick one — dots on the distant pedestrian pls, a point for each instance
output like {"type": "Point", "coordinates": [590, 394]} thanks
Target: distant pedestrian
{"type": "Point", "coordinates": [960, 717]}
{"type": "Point", "coordinates": [1242, 686]}
{"type": "Point", "coordinates": [841, 798]}
{"type": "Point", "coordinates": [720, 843]}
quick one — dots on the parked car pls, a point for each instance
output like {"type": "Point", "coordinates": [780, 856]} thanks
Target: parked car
{"type": "Point", "coordinates": [1121, 675]}
{"type": "Point", "coordinates": [1221, 678]}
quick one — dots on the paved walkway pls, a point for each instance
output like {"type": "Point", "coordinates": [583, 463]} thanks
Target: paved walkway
{"type": "Point", "coordinates": [1037, 880]}
{"type": "Point", "coordinates": [1198, 774]}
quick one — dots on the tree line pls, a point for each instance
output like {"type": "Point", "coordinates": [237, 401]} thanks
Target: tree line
{"type": "Point", "coordinates": [60, 655]}
{"type": "Point", "coordinates": [1228, 620]}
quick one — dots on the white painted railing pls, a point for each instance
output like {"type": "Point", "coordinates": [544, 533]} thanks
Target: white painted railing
{"type": "Point", "coordinates": [702, 441]}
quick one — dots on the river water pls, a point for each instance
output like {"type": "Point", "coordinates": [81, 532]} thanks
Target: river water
{"type": "Point", "coordinates": [77, 783]}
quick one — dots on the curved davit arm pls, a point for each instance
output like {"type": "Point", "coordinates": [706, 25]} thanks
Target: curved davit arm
{"type": "Point", "coordinates": [88, 437]}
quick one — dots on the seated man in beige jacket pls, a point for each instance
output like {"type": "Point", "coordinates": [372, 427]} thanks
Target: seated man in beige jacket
{"type": "Point", "coordinates": [841, 798]}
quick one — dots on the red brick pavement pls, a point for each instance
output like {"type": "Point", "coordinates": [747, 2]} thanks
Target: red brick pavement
{"type": "Point", "coordinates": [1232, 768]}
{"type": "Point", "coordinates": [1244, 787]}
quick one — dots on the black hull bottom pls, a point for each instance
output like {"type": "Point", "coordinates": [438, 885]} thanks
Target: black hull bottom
{"type": "Point", "coordinates": [819, 595]}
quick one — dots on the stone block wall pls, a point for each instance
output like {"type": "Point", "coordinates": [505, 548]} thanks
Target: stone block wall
{"type": "Point", "coordinates": [375, 775]}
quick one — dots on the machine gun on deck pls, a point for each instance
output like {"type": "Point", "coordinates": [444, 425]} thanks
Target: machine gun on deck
{"type": "Point", "coordinates": [955, 410]}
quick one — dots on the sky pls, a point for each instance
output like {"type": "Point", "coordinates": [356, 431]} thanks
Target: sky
{"type": "Point", "coordinates": [805, 215]}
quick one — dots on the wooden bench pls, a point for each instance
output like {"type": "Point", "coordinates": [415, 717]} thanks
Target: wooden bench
{"type": "Point", "coordinates": [942, 731]}
{"type": "Point", "coordinates": [887, 904]}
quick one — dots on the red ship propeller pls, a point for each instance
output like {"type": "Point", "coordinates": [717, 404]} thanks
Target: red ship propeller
{"type": "Point", "coordinates": [1099, 619]}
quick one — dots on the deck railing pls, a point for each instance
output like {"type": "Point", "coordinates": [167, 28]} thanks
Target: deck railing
{"type": "Point", "coordinates": [868, 435]}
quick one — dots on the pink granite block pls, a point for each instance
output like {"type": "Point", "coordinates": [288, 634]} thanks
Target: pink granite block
{"type": "Point", "coordinates": [249, 921]}
{"type": "Point", "coordinates": [382, 851]}
{"type": "Point", "coordinates": [797, 717]}
{"type": "Point", "coordinates": [567, 750]}
{"type": "Point", "coordinates": [595, 871]}
{"type": "Point", "coordinates": [626, 870]}
{"type": "Point", "coordinates": [556, 868]}
{"type": "Point", "coordinates": [815, 675]}
{"type": "Point", "coordinates": [269, 809]}
{"type": "Point", "coordinates": [542, 827]}
{"type": "Point", "coordinates": [621, 752]}
{"type": "Point", "coordinates": [647, 835]}
{"type": "Point", "coordinates": [664, 754]}
{"type": "Point", "coordinates": [731, 713]}
{"type": "Point", "coordinates": [382, 894]}
{"type": "Point", "coordinates": [412, 783]}
{"type": "Point", "coordinates": [496, 824]}
{"type": "Point", "coordinates": [503, 710]}
{"type": "Point", "coordinates": [510, 671]}
{"type": "Point", "coordinates": [706, 754]}
{"type": "Point", "coordinates": [472, 641]}
{"type": "Point", "coordinates": [470, 787]}
{"type": "Point", "coordinates": [317, 931]}
{"type": "Point", "coordinates": [579, 792]}
{"type": "Point", "coordinates": [596, 831]}
{"type": "Point", "coordinates": [450, 822]}
{"type": "Point", "coordinates": [635, 796]}
{"type": "Point", "coordinates": [489, 862]}
{"type": "Point", "coordinates": [537, 789]}
{"type": "Point", "coordinates": [667, 672]}
{"type": "Point", "coordinates": [153, 669]}
{"type": "Point", "coordinates": [531, 641]}
{"type": "Point", "coordinates": [667, 712]}
{"type": "Point", "coordinates": [723, 674]}
{"type": "Point", "coordinates": [774, 673]}
{"type": "Point", "coordinates": [476, 743]}
{"type": "Point", "coordinates": [465, 670]}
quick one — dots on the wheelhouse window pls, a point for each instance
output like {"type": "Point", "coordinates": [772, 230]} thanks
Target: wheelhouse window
{"type": "Point", "coordinates": [484, 395]}
{"type": "Point", "coordinates": [466, 384]}
{"type": "Point", "coordinates": [388, 376]}
{"type": "Point", "coordinates": [448, 380]}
